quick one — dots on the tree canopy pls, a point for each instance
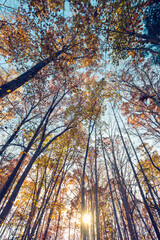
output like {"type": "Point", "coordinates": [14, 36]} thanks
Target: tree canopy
{"type": "Point", "coordinates": [79, 119]}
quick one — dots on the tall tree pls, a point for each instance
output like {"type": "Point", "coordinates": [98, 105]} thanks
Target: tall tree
{"type": "Point", "coordinates": [61, 38]}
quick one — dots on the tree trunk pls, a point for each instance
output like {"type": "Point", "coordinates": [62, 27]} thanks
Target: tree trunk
{"type": "Point", "coordinates": [59, 217]}
{"type": "Point", "coordinates": [96, 191]}
{"type": "Point", "coordinates": [9, 87]}
{"type": "Point", "coordinates": [92, 218]}
{"type": "Point", "coordinates": [83, 227]}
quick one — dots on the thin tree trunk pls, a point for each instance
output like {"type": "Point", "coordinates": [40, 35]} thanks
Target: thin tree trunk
{"type": "Point", "coordinates": [92, 218]}
{"type": "Point", "coordinates": [59, 217]}
{"type": "Point", "coordinates": [69, 234]}
{"type": "Point", "coordinates": [96, 191]}
{"type": "Point", "coordinates": [83, 227]}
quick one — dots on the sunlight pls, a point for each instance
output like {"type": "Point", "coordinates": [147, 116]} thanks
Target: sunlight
{"type": "Point", "coordinates": [87, 218]}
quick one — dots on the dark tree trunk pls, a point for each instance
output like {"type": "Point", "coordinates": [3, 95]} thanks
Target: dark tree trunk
{"type": "Point", "coordinates": [96, 192]}
{"type": "Point", "coordinates": [9, 87]}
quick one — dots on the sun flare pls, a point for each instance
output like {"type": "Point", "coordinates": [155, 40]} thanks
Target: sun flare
{"type": "Point", "coordinates": [87, 218]}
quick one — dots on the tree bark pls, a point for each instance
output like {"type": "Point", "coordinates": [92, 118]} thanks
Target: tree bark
{"type": "Point", "coordinates": [83, 227]}
{"type": "Point", "coordinates": [11, 86]}
{"type": "Point", "coordinates": [96, 191]}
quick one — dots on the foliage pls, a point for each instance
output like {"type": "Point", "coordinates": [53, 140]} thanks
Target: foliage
{"type": "Point", "coordinates": [65, 149]}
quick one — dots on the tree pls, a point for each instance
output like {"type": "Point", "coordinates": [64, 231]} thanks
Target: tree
{"type": "Point", "coordinates": [138, 182]}
{"type": "Point", "coordinates": [151, 172]}
{"type": "Point", "coordinates": [62, 38]}
{"type": "Point", "coordinates": [59, 179]}
{"type": "Point", "coordinates": [124, 29]}
{"type": "Point", "coordinates": [140, 96]}
{"type": "Point", "coordinates": [42, 133]}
